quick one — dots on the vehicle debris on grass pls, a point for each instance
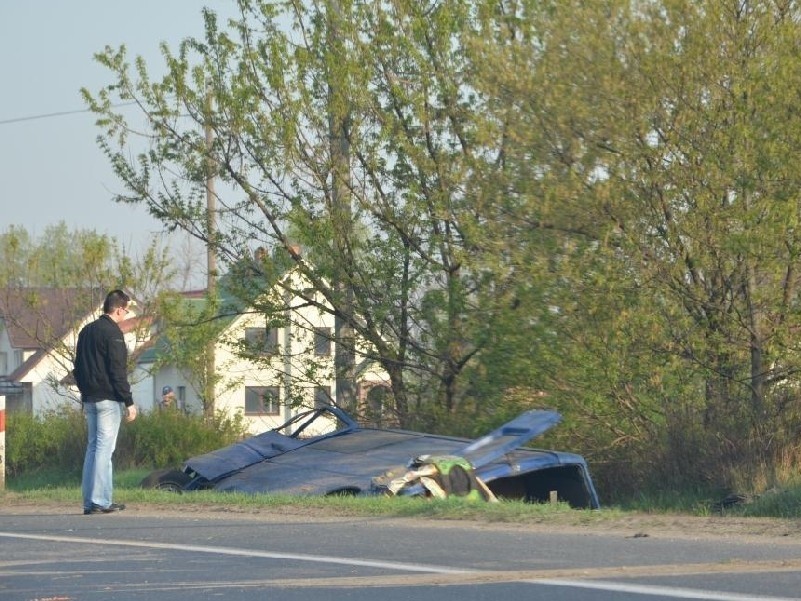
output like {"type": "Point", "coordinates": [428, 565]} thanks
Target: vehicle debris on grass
{"type": "Point", "coordinates": [356, 460]}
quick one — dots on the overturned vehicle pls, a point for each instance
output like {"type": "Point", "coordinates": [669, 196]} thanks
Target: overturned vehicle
{"type": "Point", "coordinates": [358, 460]}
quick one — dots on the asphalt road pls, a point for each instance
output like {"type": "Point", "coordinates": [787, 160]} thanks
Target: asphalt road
{"type": "Point", "coordinates": [58, 555]}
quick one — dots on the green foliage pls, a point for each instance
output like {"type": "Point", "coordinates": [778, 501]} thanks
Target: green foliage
{"type": "Point", "coordinates": [56, 443]}
{"type": "Point", "coordinates": [168, 438]}
{"type": "Point", "coordinates": [380, 190]}
{"type": "Point", "coordinates": [189, 328]}
{"type": "Point", "coordinates": [774, 502]}
{"type": "Point", "coordinates": [654, 142]}
{"type": "Point", "coordinates": [594, 201]}
{"type": "Point", "coordinates": [64, 258]}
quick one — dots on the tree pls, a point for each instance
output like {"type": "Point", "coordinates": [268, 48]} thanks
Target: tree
{"type": "Point", "coordinates": [187, 331]}
{"type": "Point", "coordinates": [61, 257]}
{"type": "Point", "coordinates": [595, 201]}
{"type": "Point", "coordinates": [664, 134]}
{"type": "Point", "coordinates": [51, 282]}
{"type": "Point", "coordinates": [403, 260]}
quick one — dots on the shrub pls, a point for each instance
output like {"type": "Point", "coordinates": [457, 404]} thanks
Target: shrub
{"type": "Point", "coordinates": [57, 440]}
{"type": "Point", "coordinates": [168, 438]}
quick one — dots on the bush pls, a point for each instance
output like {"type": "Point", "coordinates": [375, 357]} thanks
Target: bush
{"type": "Point", "coordinates": [57, 441]}
{"type": "Point", "coordinates": [168, 438]}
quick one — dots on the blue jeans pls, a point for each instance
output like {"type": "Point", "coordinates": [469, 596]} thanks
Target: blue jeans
{"type": "Point", "coordinates": [103, 419]}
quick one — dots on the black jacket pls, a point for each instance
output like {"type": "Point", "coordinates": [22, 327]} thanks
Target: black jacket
{"type": "Point", "coordinates": [101, 363]}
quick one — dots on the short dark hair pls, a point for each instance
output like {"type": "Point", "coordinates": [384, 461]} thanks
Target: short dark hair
{"type": "Point", "coordinates": [116, 299]}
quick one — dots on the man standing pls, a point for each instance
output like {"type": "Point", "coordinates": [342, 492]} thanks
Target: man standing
{"type": "Point", "coordinates": [101, 373]}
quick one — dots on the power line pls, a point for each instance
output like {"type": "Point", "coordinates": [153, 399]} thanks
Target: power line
{"type": "Point", "coordinates": [59, 114]}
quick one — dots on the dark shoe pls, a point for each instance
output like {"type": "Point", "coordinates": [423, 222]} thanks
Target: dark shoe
{"type": "Point", "coordinates": [98, 509]}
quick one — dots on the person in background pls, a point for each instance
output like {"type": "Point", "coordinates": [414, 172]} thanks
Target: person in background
{"type": "Point", "coordinates": [168, 400]}
{"type": "Point", "coordinates": [101, 372]}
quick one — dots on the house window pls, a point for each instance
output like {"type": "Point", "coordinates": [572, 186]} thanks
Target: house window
{"type": "Point", "coordinates": [263, 341]}
{"type": "Point", "coordinates": [322, 342]}
{"type": "Point", "coordinates": [261, 400]}
{"type": "Point", "coordinates": [3, 364]}
{"type": "Point", "coordinates": [21, 400]}
{"type": "Point", "coordinates": [18, 360]}
{"type": "Point", "coordinates": [322, 396]}
{"type": "Point", "coordinates": [375, 406]}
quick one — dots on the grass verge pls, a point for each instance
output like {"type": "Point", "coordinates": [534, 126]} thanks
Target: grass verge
{"type": "Point", "coordinates": [54, 487]}
{"type": "Point", "coordinates": [64, 489]}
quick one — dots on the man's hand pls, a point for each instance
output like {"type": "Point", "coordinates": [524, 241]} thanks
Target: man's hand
{"type": "Point", "coordinates": [130, 413]}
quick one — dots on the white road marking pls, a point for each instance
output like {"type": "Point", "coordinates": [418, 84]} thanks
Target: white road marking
{"type": "Point", "coordinates": [641, 589]}
{"type": "Point", "coordinates": [663, 591]}
{"type": "Point", "coordinates": [406, 567]}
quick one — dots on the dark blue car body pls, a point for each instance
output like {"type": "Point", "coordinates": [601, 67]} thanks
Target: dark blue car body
{"type": "Point", "coordinates": [349, 459]}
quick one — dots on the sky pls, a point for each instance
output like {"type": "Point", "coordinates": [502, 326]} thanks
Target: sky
{"type": "Point", "coordinates": [51, 167]}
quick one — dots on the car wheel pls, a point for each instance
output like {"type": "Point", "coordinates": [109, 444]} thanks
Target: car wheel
{"type": "Point", "coordinates": [168, 479]}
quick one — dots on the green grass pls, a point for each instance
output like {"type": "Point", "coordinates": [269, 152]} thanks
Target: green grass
{"type": "Point", "coordinates": [64, 488]}
{"type": "Point", "coordinates": [694, 502]}
{"type": "Point", "coordinates": [779, 502]}
{"type": "Point", "coordinates": [49, 479]}
{"type": "Point", "coordinates": [44, 480]}
{"type": "Point", "coordinates": [61, 488]}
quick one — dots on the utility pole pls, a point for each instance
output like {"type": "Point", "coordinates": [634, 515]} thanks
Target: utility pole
{"type": "Point", "coordinates": [211, 257]}
{"type": "Point", "coordinates": [342, 214]}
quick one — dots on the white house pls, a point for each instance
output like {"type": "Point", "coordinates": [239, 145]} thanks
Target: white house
{"type": "Point", "coordinates": [291, 368]}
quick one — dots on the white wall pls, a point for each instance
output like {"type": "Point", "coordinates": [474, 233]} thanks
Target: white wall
{"type": "Point", "coordinates": [5, 347]}
{"type": "Point", "coordinates": [287, 370]}
{"type": "Point", "coordinates": [142, 388]}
